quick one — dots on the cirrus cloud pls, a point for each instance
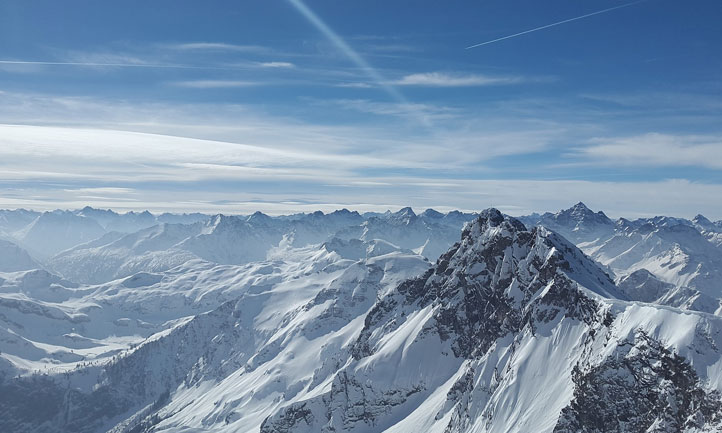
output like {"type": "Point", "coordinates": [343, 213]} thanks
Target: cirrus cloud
{"type": "Point", "coordinates": [442, 79]}
{"type": "Point", "coordinates": [655, 149]}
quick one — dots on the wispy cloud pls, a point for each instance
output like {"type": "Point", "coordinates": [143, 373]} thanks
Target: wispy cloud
{"type": "Point", "coordinates": [661, 101]}
{"type": "Point", "coordinates": [410, 110]}
{"type": "Point", "coordinates": [442, 79]}
{"type": "Point", "coordinates": [278, 65]}
{"type": "Point", "coordinates": [654, 149]}
{"type": "Point", "coordinates": [356, 85]}
{"type": "Point", "coordinates": [117, 58]}
{"type": "Point", "coordinates": [101, 64]}
{"type": "Point", "coordinates": [216, 46]}
{"type": "Point", "coordinates": [215, 84]}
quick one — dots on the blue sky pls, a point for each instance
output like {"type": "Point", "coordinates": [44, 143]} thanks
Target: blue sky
{"type": "Point", "coordinates": [285, 106]}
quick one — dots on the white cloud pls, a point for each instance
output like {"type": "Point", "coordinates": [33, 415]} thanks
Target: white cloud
{"type": "Point", "coordinates": [656, 149]}
{"type": "Point", "coordinates": [101, 58]}
{"type": "Point", "coordinates": [442, 79]}
{"type": "Point", "coordinates": [282, 65]}
{"type": "Point", "coordinates": [215, 84]}
{"type": "Point", "coordinates": [408, 110]}
{"type": "Point", "coordinates": [215, 46]}
{"type": "Point", "coordinates": [357, 85]}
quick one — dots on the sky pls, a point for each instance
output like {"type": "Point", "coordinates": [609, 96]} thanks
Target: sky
{"type": "Point", "coordinates": [290, 106]}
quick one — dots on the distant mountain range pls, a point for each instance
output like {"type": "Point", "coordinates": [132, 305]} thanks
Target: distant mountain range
{"type": "Point", "coordinates": [348, 322]}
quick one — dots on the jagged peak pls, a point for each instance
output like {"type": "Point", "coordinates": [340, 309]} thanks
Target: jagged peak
{"type": "Point", "coordinates": [258, 217]}
{"type": "Point", "coordinates": [493, 215]}
{"type": "Point", "coordinates": [580, 206]}
{"type": "Point", "coordinates": [406, 211]}
{"type": "Point", "coordinates": [59, 215]}
{"type": "Point", "coordinates": [491, 218]}
{"type": "Point", "coordinates": [57, 212]}
{"type": "Point", "coordinates": [89, 210]}
{"type": "Point", "coordinates": [220, 221]}
{"type": "Point", "coordinates": [700, 217]}
{"type": "Point", "coordinates": [639, 273]}
{"type": "Point", "coordinates": [702, 221]}
{"type": "Point", "coordinates": [492, 232]}
{"type": "Point", "coordinates": [404, 215]}
{"type": "Point", "coordinates": [344, 211]}
{"type": "Point", "coordinates": [581, 213]}
{"type": "Point", "coordinates": [489, 283]}
{"type": "Point", "coordinates": [432, 213]}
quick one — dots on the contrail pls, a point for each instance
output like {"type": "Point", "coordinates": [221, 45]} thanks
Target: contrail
{"type": "Point", "coordinates": [557, 23]}
{"type": "Point", "coordinates": [337, 40]}
{"type": "Point", "coordinates": [356, 58]}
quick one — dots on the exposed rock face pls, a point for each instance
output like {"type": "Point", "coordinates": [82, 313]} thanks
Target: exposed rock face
{"type": "Point", "coordinates": [642, 386]}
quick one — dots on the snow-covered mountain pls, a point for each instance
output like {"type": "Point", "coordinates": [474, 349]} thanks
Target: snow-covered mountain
{"type": "Point", "coordinates": [237, 240]}
{"type": "Point", "coordinates": [116, 255]}
{"type": "Point", "coordinates": [52, 232]}
{"type": "Point", "coordinates": [683, 255]}
{"type": "Point", "coordinates": [81, 244]}
{"type": "Point", "coordinates": [710, 230]}
{"type": "Point", "coordinates": [513, 329]}
{"type": "Point", "coordinates": [14, 220]}
{"type": "Point", "coordinates": [578, 223]}
{"type": "Point", "coordinates": [130, 222]}
{"type": "Point", "coordinates": [429, 235]}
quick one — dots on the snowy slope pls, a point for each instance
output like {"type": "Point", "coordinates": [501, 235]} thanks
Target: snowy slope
{"type": "Point", "coordinates": [116, 255]}
{"type": "Point", "coordinates": [52, 232]}
{"type": "Point", "coordinates": [710, 230]}
{"type": "Point", "coordinates": [677, 254]}
{"type": "Point", "coordinates": [299, 294]}
{"type": "Point", "coordinates": [14, 220]}
{"type": "Point", "coordinates": [13, 258]}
